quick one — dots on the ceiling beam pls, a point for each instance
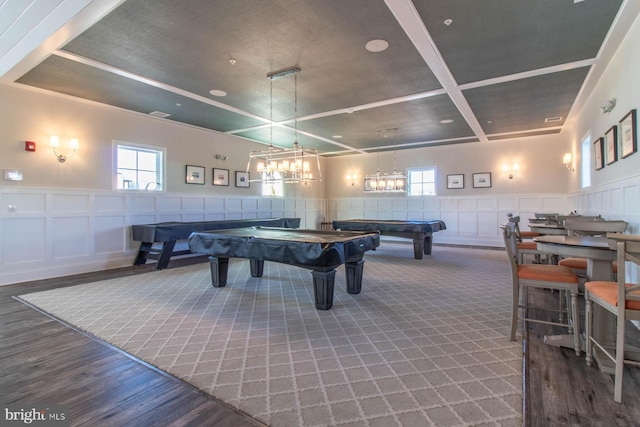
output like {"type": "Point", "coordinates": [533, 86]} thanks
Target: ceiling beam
{"type": "Point", "coordinates": [409, 19]}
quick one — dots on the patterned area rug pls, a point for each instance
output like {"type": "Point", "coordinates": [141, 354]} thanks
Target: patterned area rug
{"type": "Point", "coordinates": [423, 344]}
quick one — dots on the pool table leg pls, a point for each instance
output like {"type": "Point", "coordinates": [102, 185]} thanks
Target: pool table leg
{"type": "Point", "coordinates": [427, 244]}
{"type": "Point", "coordinates": [219, 270]}
{"type": "Point", "coordinates": [418, 248]}
{"type": "Point", "coordinates": [257, 267]}
{"type": "Point", "coordinates": [354, 276]}
{"type": "Point", "coordinates": [323, 283]}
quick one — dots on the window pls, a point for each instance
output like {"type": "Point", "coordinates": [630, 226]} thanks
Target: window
{"type": "Point", "coordinates": [585, 162]}
{"type": "Point", "coordinates": [422, 182]}
{"type": "Point", "coordinates": [273, 188]}
{"type": "Point", "coordinates": [139, 167]}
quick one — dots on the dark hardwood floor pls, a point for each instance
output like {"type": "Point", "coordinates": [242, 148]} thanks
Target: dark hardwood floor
{"type": "Point", "coordinates": [561, 390]}
{"type": "Point", "coordinates": [44, 361]}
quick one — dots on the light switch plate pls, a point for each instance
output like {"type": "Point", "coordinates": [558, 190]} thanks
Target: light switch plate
{"type": "Point", "coordinates": [12, 175]}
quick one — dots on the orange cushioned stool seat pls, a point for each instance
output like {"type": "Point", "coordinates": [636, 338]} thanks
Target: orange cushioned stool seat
{"type": "Point", "coordinates": [529, 234]}
{"type": "Point", "coordinates": [608, 291]}
{"type": "Point", "coordinates": [547, 273]}
{"type": "Point", "coordinates": [527, 245]}
{"type": "Point", "coordinates": [576, 263]}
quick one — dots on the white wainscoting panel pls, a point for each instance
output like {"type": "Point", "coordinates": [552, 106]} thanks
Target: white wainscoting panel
{"type": "Point", "coordinates": [170, 204]}
{"type": "Point", "coordinates": [470, 220]}
{"type": "Point", "coordinates": [69, 203]}
{"type": "Point", "coordinates": [51, 232]}
{"type": "Point", "coordinates": [109, 204]}
{"type": "Point", "coordinates": [70, 237]}
{"type": "Point", "coordinates": [110, 234]}
{"type": "Point", "coordinates": [141, 203]}
{"type": "Point", "coordinates": [615, 200]}
{"type": "Point", "coordinates": [24, 203]}
{"type": "Point", "coordinates": [23, 241]}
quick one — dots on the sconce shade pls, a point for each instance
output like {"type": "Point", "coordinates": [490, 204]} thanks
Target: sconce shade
{"type": "Point", "coordinates": [567, 160]}
{"type": "Point", "coordinates": [54, 142]}
{"type": "Point", "coordinates": [510, 172]}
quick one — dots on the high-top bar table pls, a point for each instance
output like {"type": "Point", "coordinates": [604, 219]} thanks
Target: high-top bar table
{"type": "Point", "coordinates": [317, 250]}
{"type": "Point", "coordinates": [599, 255]}
{"type": "Point", "coordinates": [168, 233]}
{"type": "Point", "coordinates": [419, 231]}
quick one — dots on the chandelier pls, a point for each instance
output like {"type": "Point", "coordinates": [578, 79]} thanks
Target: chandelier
{"type": "Point", "coordinates": [394, 182]}
{"type": "Point", "coordinates": [288, 165]}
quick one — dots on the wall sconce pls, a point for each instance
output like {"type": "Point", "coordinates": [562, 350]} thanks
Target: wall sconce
{"type": "Point", "coordinates": [567, 160]}
{"type": "Point", "coordinates": [510, 172]}
{"type": "Point", "coordinates": [352, 177]}
{"type": "Point", "coordinates": [608, 106]}
{"type": "Point", "coordinates": [54, 142]}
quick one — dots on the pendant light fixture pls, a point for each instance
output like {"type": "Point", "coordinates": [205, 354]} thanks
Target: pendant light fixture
{"type": "Point", "coordinates": [394, 182]}
{"type": "Point", "coordinates": [288, 165]}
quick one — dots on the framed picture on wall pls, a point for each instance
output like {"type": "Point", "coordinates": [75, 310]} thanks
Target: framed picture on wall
{"type": "Point", "coordinates": [455, 181]}
{"type": "Point", "coordinates": [611, 144]}
{"type": "Point", "coordinates": [195, 175]}
{"type": "Point", "coordinates": [598, 153]}
{"type": "Point", "coordinates": [221, 177]}
{"type": "Point", "coordinates": [242, 179]}
{"type": "Point", "coordinates": [482, 180]}
{"type": "Point", "coordinates": [628, 135]}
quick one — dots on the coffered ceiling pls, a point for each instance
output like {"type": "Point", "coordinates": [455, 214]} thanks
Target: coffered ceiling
{"type": "Point", "coordinates": [454, 71]}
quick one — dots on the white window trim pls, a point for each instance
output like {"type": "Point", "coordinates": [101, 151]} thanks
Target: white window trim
{"type": "Point", "coordinates": [435, 181]}
{"type": "Point", "coordinates": [114, 163]}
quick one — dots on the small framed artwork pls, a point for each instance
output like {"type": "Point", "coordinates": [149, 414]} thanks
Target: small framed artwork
{"type": "Point", "coordinates": [611, 144]}
{"type": "Point", "coordinates": [455, 181]}
{"type": "Point", "coordinates": [628, 135]}
{"type": "Point", "coordinates": [242, 179]}
{"type": "Point", "coordinates": [598, 153]}
{"type": "Point", "coordinates": [195, 175]}
{"type": "Point", "coordinates": [482, 180]}
{"type": "Point", "coordinates": [221, 177]}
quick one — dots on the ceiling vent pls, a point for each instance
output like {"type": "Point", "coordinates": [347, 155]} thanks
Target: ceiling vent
{"type": "Point", "coordinates": [552, 119]}
{"type": "Point", "coordinates": [159, 114]}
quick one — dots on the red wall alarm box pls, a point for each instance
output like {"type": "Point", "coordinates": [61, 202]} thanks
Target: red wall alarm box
{"type": "Point", "coordinates": [29, 146]}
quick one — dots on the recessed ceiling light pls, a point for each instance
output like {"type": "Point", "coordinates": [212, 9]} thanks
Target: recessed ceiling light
{"type": "Point", "coordinates": [446, 121]}
{"type": "Point", "coordinates": [377, 45]}
{"type": "Point", "coordinates": [553, 119]}
{"type": "Point", "coordinates": [178, 104]}
{"type": "Point", "coordinates": [216, 92]}
{"type": "Point", "coordinates": [159, 114]}
{"type": "Point", "coordinates": [448, 21]}
{"type": "Point", "coordinates": [337, 136]}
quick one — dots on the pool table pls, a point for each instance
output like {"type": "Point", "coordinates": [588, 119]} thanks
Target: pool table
{"type": "Point", "coordinates": [316, 250]}
{"type": "Point", "coordinates": [168, 233]}
{"type": "Point", "coordinates": [419, 231]}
